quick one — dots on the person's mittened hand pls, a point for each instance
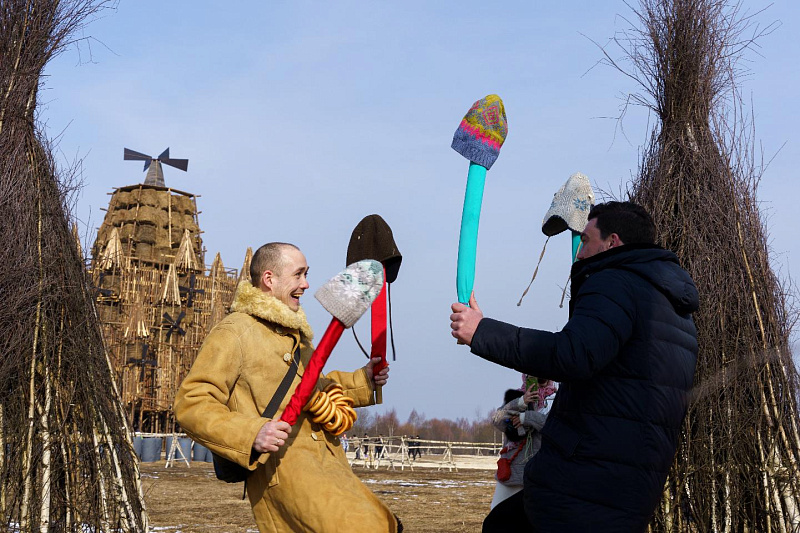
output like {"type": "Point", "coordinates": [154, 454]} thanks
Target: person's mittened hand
{"type": "Point", "coordinates": [381, 377]}
{"type": "Point", "coordinates": [464, 320]}
{"type": "Point", "coordinates": [272, 436]}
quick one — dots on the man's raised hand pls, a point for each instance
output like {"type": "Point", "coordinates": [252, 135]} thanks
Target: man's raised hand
{"type": "Point", "coordinates": [464, 320]}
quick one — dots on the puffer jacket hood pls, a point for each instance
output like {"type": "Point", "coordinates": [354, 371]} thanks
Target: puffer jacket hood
{"type": "Point", "coordinates": [654, 264]}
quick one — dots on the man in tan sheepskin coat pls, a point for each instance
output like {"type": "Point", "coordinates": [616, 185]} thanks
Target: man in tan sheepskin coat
{"type": "Point", "coordinates": [301, 480]}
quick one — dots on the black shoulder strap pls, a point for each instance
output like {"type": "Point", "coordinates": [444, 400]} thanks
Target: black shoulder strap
{"type": "Point", "coordinates": [277, 398]}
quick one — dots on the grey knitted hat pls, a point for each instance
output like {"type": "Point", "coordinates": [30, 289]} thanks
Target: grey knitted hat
{"type": "Point", "coordinates": [349, 293]}
{"type": "Point", "coordinates": [570, 206]}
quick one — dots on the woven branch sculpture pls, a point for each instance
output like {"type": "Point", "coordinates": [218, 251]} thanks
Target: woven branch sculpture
{"type": "Point", "coordinates": [155, 296]}
{"type": "Point", "coordinates": [737, 466]}
{"type": "Point", "coordinates": [66, 459]}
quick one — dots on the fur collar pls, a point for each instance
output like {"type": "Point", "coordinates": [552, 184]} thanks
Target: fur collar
{"type": "Point", "coordinates": [256, 302]}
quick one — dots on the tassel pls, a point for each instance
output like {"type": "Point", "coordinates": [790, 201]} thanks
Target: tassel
{"type": "Point", "coordinates": [564, 292]}
{"type": "Point", "coordinates": [391, 329]}
{"type": "Point", "coordinates": [536, 271]}
{"type": "Point", "coordinates": [359, 344]}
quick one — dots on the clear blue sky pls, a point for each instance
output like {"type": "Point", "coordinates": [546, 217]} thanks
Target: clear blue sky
{"type": "Point", "coordinates": [299, 118]}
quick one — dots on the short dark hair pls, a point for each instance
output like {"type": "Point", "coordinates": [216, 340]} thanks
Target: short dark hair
{"type": "Point", "coordinates": [628, 220]}
{"type": "Point", "coordinates": [268, 257]}
{"type": "Point", "coordinates": [511, 394]}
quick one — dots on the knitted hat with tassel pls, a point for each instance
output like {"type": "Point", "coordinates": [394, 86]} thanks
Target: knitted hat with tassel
{"type": "Point", "coordinates": [568, 210]}
{"type": "Point", "coordinates": [570, 206]}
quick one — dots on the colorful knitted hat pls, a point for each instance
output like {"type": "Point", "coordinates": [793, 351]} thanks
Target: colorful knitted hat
{"type": "Point", "coordinates": [349, 293]}
{"type": "Point", "coordinates": [570, 206]}
{"type": "Point", "coordinates": [372, 239]}
{"type": "Point", "coordinates": [482, 132]}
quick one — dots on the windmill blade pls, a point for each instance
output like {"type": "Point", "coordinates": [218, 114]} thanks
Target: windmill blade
{"type": "Point", "coordinates": [174, 325]}
{"type": "Point", "coordinates": [181, 164]}
{"type": "Point", "coordinates": [133, 155]}
{"type": "Point", "coordinates": [178, 323]}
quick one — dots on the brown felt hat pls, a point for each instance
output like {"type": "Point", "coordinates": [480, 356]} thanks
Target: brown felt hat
{"type": "Point", "coordinates": [372, 239]}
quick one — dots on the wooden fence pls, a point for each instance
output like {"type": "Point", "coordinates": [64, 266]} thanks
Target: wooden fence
{"type": "Point", "coordinates": [401, 451]}
{"type": "Point", "coordinates": [387, 452]}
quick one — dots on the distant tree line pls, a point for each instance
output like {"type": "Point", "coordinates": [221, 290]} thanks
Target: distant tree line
{"type": "Point", "coordinates": [458, 430]}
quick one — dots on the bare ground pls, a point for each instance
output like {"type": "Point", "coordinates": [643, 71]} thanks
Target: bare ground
{"type": "Point", "coordinates": [427, 499]}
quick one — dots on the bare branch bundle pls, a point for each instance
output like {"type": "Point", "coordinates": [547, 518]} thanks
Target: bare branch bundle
{"type": "Point", "coordinates": [736, 469]}
{"type": "Point", "coordinates": [66, 463]}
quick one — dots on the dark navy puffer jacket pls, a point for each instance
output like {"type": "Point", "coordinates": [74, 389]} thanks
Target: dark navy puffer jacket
{"type": "Point", "coordinates": [626, 362]}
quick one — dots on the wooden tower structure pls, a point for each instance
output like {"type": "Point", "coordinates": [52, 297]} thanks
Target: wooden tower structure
{"type": "Point", "coordinates": [155, 296]}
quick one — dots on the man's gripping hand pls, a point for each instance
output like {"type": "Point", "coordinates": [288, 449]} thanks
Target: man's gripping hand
{"type": "Point", "coordinates": [464, 320]}
{"type": "Point", "coordinates": [379, 378]}
{"type": "Point", "coordinates": [272, 436]}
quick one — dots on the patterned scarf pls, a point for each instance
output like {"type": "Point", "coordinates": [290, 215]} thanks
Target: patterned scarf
{"type": "Point", "coordinates": [544, 391]}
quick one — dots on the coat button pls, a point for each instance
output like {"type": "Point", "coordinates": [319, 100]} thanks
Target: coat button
{"type": "Point", "coordinates": [287, 357]}
{"type": "Point", "coordinates": [314, 436]}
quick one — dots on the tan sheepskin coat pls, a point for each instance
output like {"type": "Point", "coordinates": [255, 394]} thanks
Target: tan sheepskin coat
{"type": "Point", "coordinates": [307, 486]}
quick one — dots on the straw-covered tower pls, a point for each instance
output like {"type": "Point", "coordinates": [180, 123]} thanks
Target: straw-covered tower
{"type": "Point", "coordinates": [155, 295]}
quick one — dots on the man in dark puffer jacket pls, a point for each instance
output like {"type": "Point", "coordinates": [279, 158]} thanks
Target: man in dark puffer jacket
{"type": "Point", "coordinates": [625, 360]}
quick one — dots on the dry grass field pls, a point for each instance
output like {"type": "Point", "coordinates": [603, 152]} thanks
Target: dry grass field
{"type": "Point", "coordinates": [191, 500]}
